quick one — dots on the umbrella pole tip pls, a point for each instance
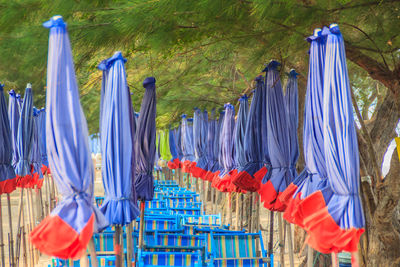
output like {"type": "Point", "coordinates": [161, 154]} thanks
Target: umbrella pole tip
{"type": "Point", "coordinates": [29, 85]}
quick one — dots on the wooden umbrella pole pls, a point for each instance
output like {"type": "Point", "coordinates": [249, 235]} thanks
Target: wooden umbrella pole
{"type": "Point", "coordinates": [249, 213]}
{"type": "Point", "coordinates": [53, 193]}
{"type": "Point", "coordinates": [290, 244]}
{"type": "Point", "coordinates": [310, 257]}
{"type": "Point", "coordinates": [257, 203]}
{"type": "Point", "coordinates": [204, 196]}
{"type": "Point", "coordinates": [20, 215]}
{"type": "Point", "coordinates": [48, 194]}
{"type": "Point", "coordinates": [11, 248]}
{"type": "Point", "coordinates": [241, 211]}
{"type": "Point", "coordinates": [141, 229]}
{"type": "Point", "coordinates": [271, 235]}
{"type": "Point", "coordinates": [28, 228]}
{"type": "Point", "coordinates": [237, 211]}
{"type": "Point", "coordinates": [24, 250]}
{"type": "Point", "coordinates": [92, 252]}
{"type": "Point", "coordinates": [214, 200]}
{"type": "Point", "coordinates": [117, 246]}
{"type": "Point", "coordinates": [281, 240]}
{"type": "Point", "coordinates": [3, 259]}
{"type": "Point", "coordinates": [229, 208]}
{"type": "Point", "coordinates": [129, 245]}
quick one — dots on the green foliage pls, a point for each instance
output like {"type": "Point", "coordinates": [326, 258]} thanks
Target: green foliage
{"type": "Point", "coordinates": [203, 53]}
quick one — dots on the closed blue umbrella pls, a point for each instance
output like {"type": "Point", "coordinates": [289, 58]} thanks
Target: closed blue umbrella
{"type": "Point", "coordinates": [19, 102]}
{"type": "Point", "coordinates": [313, 138]}
{"type": "Point", "coordinates": [25, 141]}
{"type": "Point", "coordinates": [178, 140]}
{"type": "Point", "coordinates": [186, 144]}
{"type": "Point", "coordinates": [119, 207]}
{"type": "Point", "coordinates": [239, 135]}
{"type": "Point", "coordinates": [7, 174]}
{"type": "Point", "coordinates": [253, 162]}
{"type": "Point", "coordinates": [212, 159]}
{"type": "Point", "coordinates": [217, 144]}
{"type": "Point", "coordinates": [13, 114]}
{"type": "Point", "coordinates": [42, 129]}
{"type": "Point", "coordinates": [36, 155]}
{"type": "Point", "coordinates": [199, 169]}
{"type": "Point", "coordinates": [226, 160]}
{"type": "Point", "coordinates": [66, 232]}
{"type": "Point", "coordinates": [145, 144]}
{"type": "Point", "coordinates": [280, 175]}
{"type": "Point", "coordinates": [337, 221]}
{"type": "Point", "coordinates": [174, 162]}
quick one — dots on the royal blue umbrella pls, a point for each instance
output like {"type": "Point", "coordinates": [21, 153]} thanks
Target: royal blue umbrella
{"type": "Point", "coordinates": [186, 144]}
{"type": "Point", "coordinates": [338, 220]}
{"type": "Point", "coordinates": [25, 141]}
{"type": "Point", "coordinates": [239, 135]}
{"type": "Point", "coordinates": [217, 145]}
{"type": "Point", "coordinates": [36, 155]}
{"type": "Point", "coordinates": [200, 119]}
{"type": "Point", "coordinates": [280, 175]}
{"type": "Point", "coordinates": [42, 129]}
{"type": "Point", "coordinates": [117, 151]}
{"type": "Point", "coordinates": [174, 162]}
{"type": "Point", "coordinates": [145, 144]}
{"type": "Point", "coordinates": [313, 138]}
{"type": "Point", "coordinates": [19, 102]}
{"type": "Point", "coordinates": [13, 114]}
{"type": "Point", "coordinates": [66, 232]}
{"type": "Point", "coordinates": [252, 144]}
{"type": "Point", "coordinates": [222, 180]}
{"type": "Point", "coordinates": [7, 174]}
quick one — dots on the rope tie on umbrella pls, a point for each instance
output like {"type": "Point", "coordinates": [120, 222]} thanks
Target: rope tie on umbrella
{"type": "Point", "coordinates": [119, 198]}
{"type": "Point", "coordinates": [79, 195]}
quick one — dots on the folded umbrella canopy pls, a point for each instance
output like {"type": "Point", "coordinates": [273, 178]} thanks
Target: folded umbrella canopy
{"type": "Point", "coordinates": [222, 180]}
{"type": "Point", "coordinates": [36, 155]}
{"type": "Point", "coordinates": [165, 154]}
{"type": "Point", "coordinates": [42, 129]}
{"type": "Point", "coordinates": [238, 137]}
{"type": "Point", "coordinates": [252, 144]}
{"type": "Point", "coordinates": [13, 114]}
{"type": "Point", "coordinates": [66, 232]}
{"type": "Point", "coordinates": [119, 206]}
{"type": "Point", "coordinates": [212, 148]}
{"type": "Point", "coordinates": [186, 145]}
{"type": "Point", "coordinates": [313, 138]}
{"type": "Point", "coordinates": [199, 169]}
{"type": "Point", "coordinates": [174, 162]}
{"type": "Point", "coordinates": [145, 143]}
{"type": "Point", "coordinates": [218, 152]}
{"type": "Point", "coordinates": [280, 175]}
{"type": "Point", "coordinates": [7, 174]}
{"type": "Point", "coordinates": [25, 141]}
{"type": "Point", "coordinates": [338, 220]}
{"type": "Point", "coordinates": [178, 141]}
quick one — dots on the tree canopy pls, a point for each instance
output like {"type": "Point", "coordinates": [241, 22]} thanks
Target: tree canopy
{"type": "Point", "coordinates": [203, 53]}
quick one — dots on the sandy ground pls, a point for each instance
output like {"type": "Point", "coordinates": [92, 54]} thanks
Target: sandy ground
{"type": "Point", "coordinates": [43, 260]}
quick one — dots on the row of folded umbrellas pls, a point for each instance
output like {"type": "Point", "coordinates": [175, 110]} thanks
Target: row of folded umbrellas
{"type": "Point", "coordinates": [258, 150]}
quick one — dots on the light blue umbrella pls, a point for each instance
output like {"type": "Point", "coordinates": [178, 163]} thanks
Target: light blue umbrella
{"type": "Point", "coordinates": [119, 206]}
{"type": "Point", "coordinates": [66, 232]}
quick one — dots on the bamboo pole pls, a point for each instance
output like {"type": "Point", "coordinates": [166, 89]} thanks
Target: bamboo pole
{"type": "Point", "coordinates": [11, 248]}
{"type": "Point", "coordinates": [241, 211]}
{"type": "Point", "coordinates": [3, 260]}
{"type": "Point", "coordinates": [281, 240]}
{"type": "Point", "coordinates": [129, 245]}
{"type": "Point", "coordinates": [271, 235]}
{"type": "Point", "coordinates": [229, 208]}
{"type": "Point", "coordinates": [237, 210]}
{"type": "Point", "coordinates": [47, 181]}
{"type": "Point", "coordinates": [310, 257]}
{"type": "Point", "coordinates": [204, 195]}
{"type": "Point", "coordinates": [117, 246]}
{"type": "Point", "coordinates": [92, 252]}
{"type": "Point", "coordinates": [24, 249]}
{"type": "Point", "coordinates": [257, 204]}
{"type": "Point", "coordinates": [249, 213]}
{"type": "Point", "coordinates": [290, 244]}
{"type": "Point", "coordinates": [214, 200]}
{"type": "Point", "coordinates": [28, 228]}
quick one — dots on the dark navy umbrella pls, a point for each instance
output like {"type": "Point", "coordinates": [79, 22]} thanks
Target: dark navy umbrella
{"type": "Point", "coordinates": [174, 162]}
{"type": "Point", "coordinates": [313, 138]}
{"type": "Point", "coordinates": [200, 119]}
{"type": "Point", "coordinates": [66, 232]}
{"type": "Point", "coordinates": [337, 221]}
{"type": "Point", "coordinates": [186, 144]}
{"type": "Point", "coordinates": [145, 144]}
{"type": "Point", "coordinates": [25, 141]}
{"type": "Point", "coordinates": [119, 207]}
{"type": "Point", "coordinates": [222, 180]}
{"type": "Point", "coordinates": [42, 129]}
{"type": "Point", "coordinates": [36, 155]}
{"type": "Point", "coordinates": [280, 174]}
{"type": "Point", "coordinates": [239, 135]}
{"type": "Point", "coordinates": [13, 114]}
{"type": "Point", "coordinates": [7, 174]}
{"type": "Point", "coordinates": [252, 144]}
